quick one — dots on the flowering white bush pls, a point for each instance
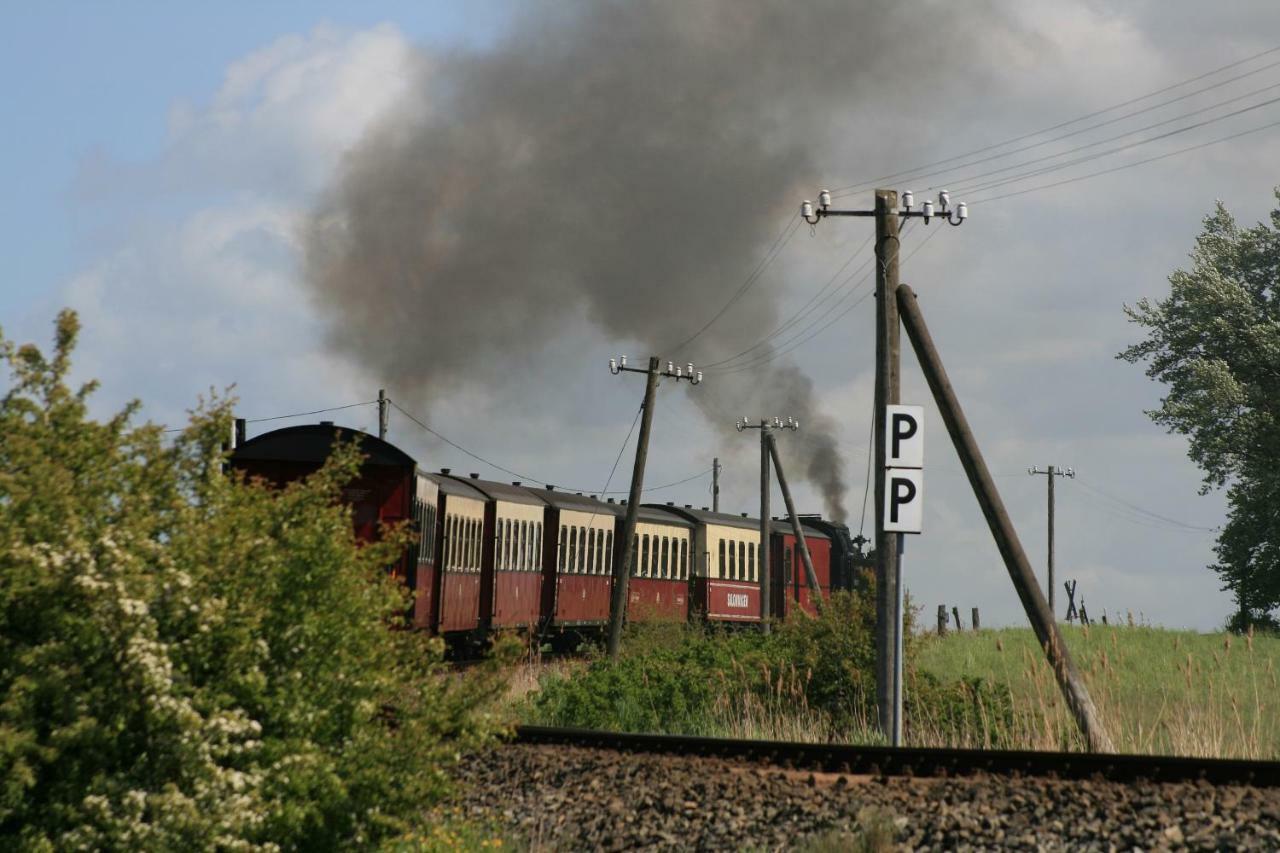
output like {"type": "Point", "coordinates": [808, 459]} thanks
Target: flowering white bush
{"type": "Point", "coordinates": [188, 661]}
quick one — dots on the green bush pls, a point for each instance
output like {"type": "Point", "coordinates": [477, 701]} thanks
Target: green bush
{"type": "Point", "coordinates": [190, 661]}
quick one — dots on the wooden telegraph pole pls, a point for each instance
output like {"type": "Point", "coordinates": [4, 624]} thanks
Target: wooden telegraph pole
{"type": "Point", "coordinates": [1015, 559]}
{"type": "Point", "coordinates": [810, 576]}
{"type": "Point", "coordinates": [888, 377]}
{"type": "Point", "coordinates": [383, 411]}
{"type": "Point", "coordinates": [1053, 471]}
{"type": "Point", "coordinates": [887, 215]}
{"type": "Point", "coordinates": [622, 567]}
{"type": "Point", "coordinates": [715, 484]}
{"type": "Point", "coordinates": [766, 592]}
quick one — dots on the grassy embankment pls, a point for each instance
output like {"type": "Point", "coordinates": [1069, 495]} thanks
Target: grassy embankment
{"type": "Point", "coordinates": [1158, 691]}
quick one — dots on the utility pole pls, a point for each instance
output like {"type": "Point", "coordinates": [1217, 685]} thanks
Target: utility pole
{"type": "Point", "coordinates": [1074, 690]}
{"type": "Point", "coordinates": [766, 592]}
{"type": "Point", "coordinates": [383, 411]}
{"type": "Point", "coordinates": [810, 576]}
{"type": "Point", "coordinates": [887, 215]}
{"type": "Point", "coordinates": [622, 567]}
{"type": "Point", "coordinates": [1053, 471]}
{"type": "Point", "coordinates": [715, 484]}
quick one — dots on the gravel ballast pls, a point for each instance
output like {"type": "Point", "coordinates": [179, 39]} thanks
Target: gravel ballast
{"type": "Point", "coordinates": [571, 798]}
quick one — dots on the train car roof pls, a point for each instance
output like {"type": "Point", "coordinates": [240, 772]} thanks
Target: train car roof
{"type": "Point", "coordinates": [651, 514]}
{"type": "Point", "coordinates": [450, 486]}
{"type": "Point", "coordinates": [782, 525]}
{"type": "Point", "coordinates": [509, 492]}
{"type": "Point", "coordinates": [706, 516]}
{"type": "Point", "coordinates": [314, 443]}
{"type": "Point", "coordinates": [569, 500]}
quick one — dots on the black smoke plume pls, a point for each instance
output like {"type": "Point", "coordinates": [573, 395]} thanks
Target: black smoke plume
{"type": "Point", "coordinates": [626, 161]}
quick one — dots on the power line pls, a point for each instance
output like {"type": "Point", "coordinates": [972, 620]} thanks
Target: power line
{"type": "Point", "coordinates": [1099, 155]}
{"type": "Point", "coordinates": [798, 315]}
{"type": "Point", "coordinates": [967, 188]}
{"type": "Point", "coordinates": [793, 344]}
{"type": "Point", "coordinates": [527, 477]}
{"type": "Point", "coordinates": [779, 243]}
{"type": "Point", "coordinates": [1153, 516]}
{"type": "Point", "coordinates": [1124, 166]}
{"type": "Point", "coordinates": [294, 414]}
{"type": "Point", "coordinates": [865, 184]}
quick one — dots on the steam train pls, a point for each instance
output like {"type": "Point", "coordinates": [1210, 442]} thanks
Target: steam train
{"type": "Point", "coordinates": [495, 556]}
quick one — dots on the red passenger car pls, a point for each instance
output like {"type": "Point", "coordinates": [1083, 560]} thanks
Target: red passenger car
{"type": "Point", "coordinates": [790, 589]}
{"type": "Point", "coordinates": [459, 549]}
{"type": "Point", "coordinates": [577, 559]}
{"type": "Point", "coordinates": [726, 579]}
{"type": "Point", "coordinates": [511, 562]}
{"type": "Point", "coordinates": [663, 548]}
{"type": "Point", "coordinates": [382, 493]}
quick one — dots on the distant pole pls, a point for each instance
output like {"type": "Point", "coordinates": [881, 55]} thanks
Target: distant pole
{"type": "Point", "coordinates": [1053, 471]}
{"type": "Point", "coordinates": [887, 214]}
{"type": "Point", "coordinates": [1069, 680]}
{"type": "Point", "coordinates": [975, 623]}
{"type": "Point", "coordinates": [766, 597]}
{"type": "Point", "coordinates": [382, 414]}
{"type": "Point", "coordinates": [810, 576]}
{"type": "Point", "coordinates": [622, 567]}
{"type": "Point", "coordinates": [715, 484]}
{"type": "Point", "coordinates": [240, 431]}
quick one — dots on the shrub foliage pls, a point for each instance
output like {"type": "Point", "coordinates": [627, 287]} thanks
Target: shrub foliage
{"type": "Point", "coordinates": [190, 661]}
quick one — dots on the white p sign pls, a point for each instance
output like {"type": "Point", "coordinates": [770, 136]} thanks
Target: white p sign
{"type": "Point", "coordinates": [904, 437]}
{"type": "Point", "coordinates": [904, 469]}
{"type": "Point", "coordinates": [903, 500]}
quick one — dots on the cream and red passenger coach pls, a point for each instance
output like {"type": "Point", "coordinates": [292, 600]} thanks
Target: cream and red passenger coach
{"type": "Point", "coordinates": [494, 556]}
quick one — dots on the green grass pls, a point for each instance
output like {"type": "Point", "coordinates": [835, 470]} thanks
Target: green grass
{"type": "Point", "coordinates": [1159, 691]}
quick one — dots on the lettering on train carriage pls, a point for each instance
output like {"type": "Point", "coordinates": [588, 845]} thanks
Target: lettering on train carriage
{"type": "Point", "coordinates": [738, 599]}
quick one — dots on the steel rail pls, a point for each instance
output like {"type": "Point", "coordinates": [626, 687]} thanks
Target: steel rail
{"type": "Point", "coordinates": [923, 762]}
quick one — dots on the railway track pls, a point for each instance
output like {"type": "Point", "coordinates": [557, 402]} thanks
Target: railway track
{"type": "Point", "coordinates": [923, 762]}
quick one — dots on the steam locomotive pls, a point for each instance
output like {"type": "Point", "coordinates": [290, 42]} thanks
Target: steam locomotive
{"type": "Point", "coordinates": [495, 556]}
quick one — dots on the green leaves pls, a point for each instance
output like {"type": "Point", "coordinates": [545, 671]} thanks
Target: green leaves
{"type": "Point", "coordinates": [1215, 344]}
{"type": "Point", "coordinates": [191, 661]}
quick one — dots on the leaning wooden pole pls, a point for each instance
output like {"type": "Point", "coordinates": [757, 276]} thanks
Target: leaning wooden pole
{"type": "Point", "coordinates": [810, 576]}
{"type": "Point", "coordinates": [1015, 559]}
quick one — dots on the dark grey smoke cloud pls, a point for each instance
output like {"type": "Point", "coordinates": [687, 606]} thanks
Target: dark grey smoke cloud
{"type": "Point", "coordinates": [624, 160]}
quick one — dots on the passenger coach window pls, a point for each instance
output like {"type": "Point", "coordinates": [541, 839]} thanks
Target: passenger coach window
{"type": "Point", "coordinates": [751, 563]}
{"type": "Point", "coordinates": [742, 558]}
{"type": "Point", "coordinates": [733, 564]}
{"type": "Point", "coordinates": [537, 547]}
{"type": "Point", "coordinates": [684, 558]}
{"type": "Point", "coordinates": [722, 564]}
{"type": "Point", "coordinates": [666, 557]}
{"type": "Point", "coordinates": [608, 549]}
{"type": "Point", "coordinates": [600, 552]}
{"type": "Point", "coordinates": [564, 547]}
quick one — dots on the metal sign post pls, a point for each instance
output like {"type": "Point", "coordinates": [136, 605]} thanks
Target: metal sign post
{"type": "Point", "coordinates": [903, 514]}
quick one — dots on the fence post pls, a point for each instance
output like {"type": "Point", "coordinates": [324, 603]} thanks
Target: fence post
{"type": "Point", "coordinates": [942, 619]}
{"type": "Point", "coordinates": [976, 623]}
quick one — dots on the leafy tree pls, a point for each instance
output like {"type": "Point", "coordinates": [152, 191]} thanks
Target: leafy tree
{"type": "Point", "coordinates": [1215, 343]}
{"type": "Point", "coordinates": [189, 661]}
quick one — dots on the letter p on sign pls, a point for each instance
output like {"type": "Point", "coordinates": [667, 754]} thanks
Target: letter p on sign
{"type": "Point", "coordinates": [904, 469]}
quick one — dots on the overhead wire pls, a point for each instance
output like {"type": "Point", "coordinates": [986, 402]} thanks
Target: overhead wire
{"type": "Point", "coordinates": [964, 182]}
{"type": "Point", "coordinates": [780, 242]}
{"type": "Point", "coordinates": [1124, 166]}
{"type": "Point", "coordinates": [914, 171]}
{"type": "Point", "coordinates": [805, 309]}
{"type": "Point", "coordinates": [1137, 510]}
{"type": "Point", "coordinates": [1118, 149]}
{"type": "Point", "coordinates": [294, 414]}
{"type": "Point", "coordinates": [527, 477]}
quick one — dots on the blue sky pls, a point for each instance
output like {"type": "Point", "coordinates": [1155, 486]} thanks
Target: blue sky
{"type": "Point", "coordinates": [80, 81]}
{"type": "Point", "coordinates": [159, 158]}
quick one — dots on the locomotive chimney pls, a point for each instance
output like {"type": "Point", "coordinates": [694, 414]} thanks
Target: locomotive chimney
{"type": "Point", "coordinates": [445, 470]}
{"type": "Point", "coordinates": [474, 476]}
